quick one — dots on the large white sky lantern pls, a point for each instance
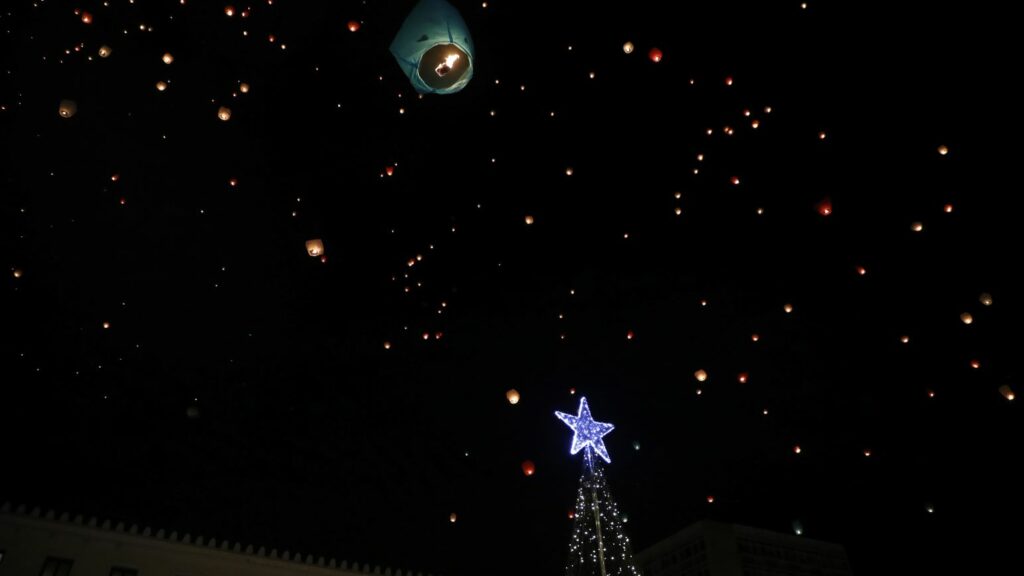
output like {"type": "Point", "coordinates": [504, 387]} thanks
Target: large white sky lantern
{"type": "Point", "coordinates": [434, 48]}
{"type": "Point", "coordinates": [586, 432]}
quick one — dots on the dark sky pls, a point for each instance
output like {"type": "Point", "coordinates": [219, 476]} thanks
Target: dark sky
{"type": "Point", "coordinates": [311, 436]}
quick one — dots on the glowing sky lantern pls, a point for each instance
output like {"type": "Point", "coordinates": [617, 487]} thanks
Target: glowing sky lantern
{"type": "Point", "coordinates": [628, 47]}
{"type": "Point", "coordinates": [528, 468]}
{"type": "Point", "coordinates": [943, 150]}
{"type": "Point", "coordinates": [434, 49]}
{"type": "Point", "coordinates": [452, 517]}
{"type": "Point", "coordinates": [528, 219]}
{"type": "Point", "coordinates": [967, 318]}
{"type": "Point", "coordinates": [985, 299]}
{"type": "Point", "coordinates": [86, 18]}
{"type": "Point", "coordinates": [224, 113]}
{"type": "Point", "coordinates": [825, 207]}
{"type": "Point", "coordinates": [512, 396]}
{"type": "Point", "coordinates": [168, 58]}
{"type": "Point", "coordinates": [353, 25]}
{"type": "Point", "coordinates": [1007, 392]}
{"type": "Point", "coordinates": [105, 51]}
{"type": "Point", "coordinates": [655, 55]}
{"type": "Point", "coordinates": [229, 11]}
{"type": "Point", "coordinates": [700, 375]}
{"type": "Point", "coordinates": [243, 88]}
{"type": "Point", "coordinates": [917, 226]}
{"type": "Point", "coordinates": [315, 247]}
{"type": "Point", "coordinates": [161, 86]}
{"type": "Point", "coordinates": [67, 108]}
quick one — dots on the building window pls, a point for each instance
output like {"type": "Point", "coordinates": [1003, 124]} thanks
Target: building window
{"type": "Point", "coordinates": [56, 567]}
{"type": "Point", "coordinates": [119, 571]}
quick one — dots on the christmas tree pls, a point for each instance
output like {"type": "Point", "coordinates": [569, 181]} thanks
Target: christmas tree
{"type": "Point", "coordinates": [599, 545]}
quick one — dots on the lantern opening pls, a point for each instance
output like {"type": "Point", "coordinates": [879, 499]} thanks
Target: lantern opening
{"type": "Point", "coordinates": [443, 66]}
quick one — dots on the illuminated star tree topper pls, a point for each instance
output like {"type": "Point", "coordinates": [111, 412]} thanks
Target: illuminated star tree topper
{"type": "Point", "coordinates": [586, 432]}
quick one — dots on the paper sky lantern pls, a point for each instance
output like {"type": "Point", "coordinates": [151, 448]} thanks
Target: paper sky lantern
{"type": "Point", "coordinates": [628, 47]}
{"type": "Point", "coordinates": [224, 113]}
{"type": "Point", "coordinates": [967, 318]}
{"type": "Point", "coordinates": [168, 58]}
{"type": "Point", "coordinates": [1006, 391]}
{"type": "Point", "coordinates": [700, 375]}
{"type": "Point", "coordinates": [161, 86]}
{"type": "Point", "coordinates": [105, 51]}
{"type": "Point", "coordinates": [513, 396]}
{"type": "Point", "coordinates": [452, 517]}
{"type": "Point", "coordinates": [243, 88]}
{"type": "Point", "coordinates": [67, 108]}
{"type": "Point", "coordinates": [434, 49]}
{"type": "Point", "coordinates": [529, 468]}
{"type": "Point", "coordinates": [315, 247]}
{"type": "Point", "coordinates": [353, 25]}
{"type": "Point", "coordinates": [655, 55]}
{"type": "Point", "coordinates": [985, 299]}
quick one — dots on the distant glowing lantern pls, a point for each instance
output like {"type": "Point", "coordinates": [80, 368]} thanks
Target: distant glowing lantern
{"type": "Point", "coordinates": [861, 270]}
{"type": "Point", "coordinates": [629, 334]}
{"type": "Point", "coordinates": [389, 170]}
{"type": "Point", "coordinates": [67, 108]}
{"type": "Point", "coordinates": [735, 180]}
{"type": "Point", "coordinates": [434, 48]}
{"type": "Point", "coordinates": [636, 444]}
{"type": "Point", "coordinates": [387, 345]}
{"type": "Point", "coordinates": [655, 55]}
{"type": "Point", "coordinates": [452, 517]}
{"type": "Point", "coordinates": [161, 86]}
{"type": "Point", "coordinates": [315, 247]}
{"type": "Point", "coordinates": [966, 318]}
{"type": "Point", "coordinates": [755, 337]}
{"type": "Point", "coordinates": [229, 11]}
{"type": "Point", "coordinates": [1007, 392]}
{"type": "Point", "coordinates": [728, 80]}
{"type": "Point", "coordinates": [529, 468]}
{"type": "Point", "coordinates": [106, 325]}
{"type": "Point", "coordinates": [628, 47]}
{"type": "Point", "coordinates": [353, 25]}
{"type": "Point", "coordinates": [867, 453]}
{"type": "Point", "coordinates": [822, 135]}
{"type": "Point", "coordinates": [700, 375]}
{"type": "Point", "coordinates": [905, 339]}
{"type": "Point", "coordinates": [825, 207]}
{"type": "Point", "coordinates": [572, 391]}
{"type": "Point", "coordinates": [985, 299]}
{"type": "Point", "coordinates": [105, 51]}
{"type": "Point", "coordinates": [512, 396]}
{"type": "Point", "coordinates": [711, 499]}
{"type": "Point", "coordinates": [568, 171]}
{"type": "Point", "coordinates": [797, 449]}
{"type": "Point", "coordinates": [975, 364]}
{"type": "Point", "coordinates": [18, 273]}
{"type": "Point", "coordinates": [948, 208]}
{"type": "Point", "coordinates": [798, 528]}
{"type": "Point", "coordinates": [572, 514]}
{"type": "Point", "coordinates": [528, 219]}
{"type": "Point", "coordinates": [224, 113]}
{"type": "Point", "coordinates": [917, 226]}
{"type": "Point", "coordinates": [742, 378]}
{"type": "Point", "coordinates": [788, 308]}
{"type": "Point", "coordinates": [943, 150]}
{"type": "Point", "coordinates": [168, 58]}
{"type": "Point", "coordinates": [86, 18]}
{"type": "Point", "coordinates": [243, 88]}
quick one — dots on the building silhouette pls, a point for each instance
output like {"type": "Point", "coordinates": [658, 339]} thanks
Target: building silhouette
{"type": "Point", "coordinates": [36, 543]}
{"type": "Point", "coordinates": [710, 548]}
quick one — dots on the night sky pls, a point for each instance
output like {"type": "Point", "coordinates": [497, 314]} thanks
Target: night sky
{"type": "Point", "coordinates": [783, 199]}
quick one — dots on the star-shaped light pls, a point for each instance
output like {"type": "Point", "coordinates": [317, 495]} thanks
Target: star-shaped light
{"type": "Point", "coordinates": [587, 432]}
